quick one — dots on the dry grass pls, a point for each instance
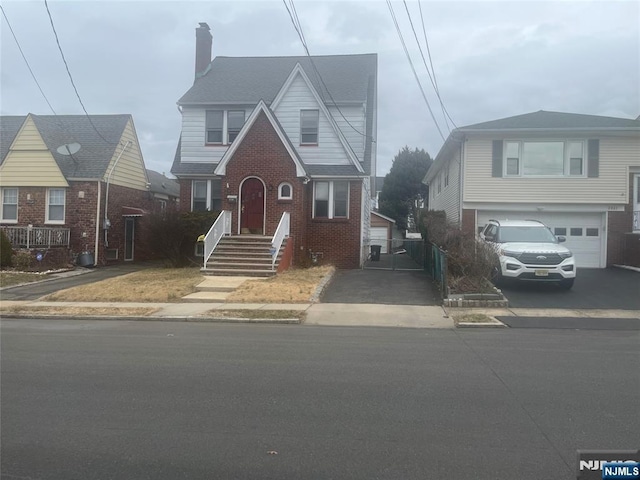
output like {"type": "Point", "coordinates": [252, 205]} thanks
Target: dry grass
{"type": "Point", "coordinates": [152, 285]}
{"type": "Point", "coordinates": [8, 279]}
{"type": "Point", "coordinates": [473, 318]}
{"type": "Point", "coordinates": [254, 314]}
{"type": "Point", "coordinates": [80, 311]}
{"type": "Point", "coordinates": [292, 286]}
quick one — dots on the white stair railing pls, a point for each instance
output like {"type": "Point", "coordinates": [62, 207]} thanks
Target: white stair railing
{"type": "Point", "coordinates": [220, 228]}
{"type": "Point", "coordinates": [282, 232]}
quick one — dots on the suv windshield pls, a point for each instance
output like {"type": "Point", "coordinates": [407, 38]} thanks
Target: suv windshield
{"type": "Point", "coordinates": [526, 234]}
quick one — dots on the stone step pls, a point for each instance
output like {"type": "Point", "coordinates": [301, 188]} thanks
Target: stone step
{"type": "Point", "coordinates": [235, 265]}
{"type": "Point", "coordinates": [246, 272]}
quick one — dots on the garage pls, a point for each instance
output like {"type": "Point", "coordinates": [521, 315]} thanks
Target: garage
{"type": "Point", "coordinates": [584, 231]}
{"type": "Point", "coordinates": [379, 236]}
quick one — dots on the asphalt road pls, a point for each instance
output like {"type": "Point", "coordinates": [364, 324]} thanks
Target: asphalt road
{"type": "Point", "coordinates": [147, 400]}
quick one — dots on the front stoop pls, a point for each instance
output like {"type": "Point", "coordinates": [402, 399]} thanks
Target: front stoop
{"type": "Point", "coordinates": [243, 255]}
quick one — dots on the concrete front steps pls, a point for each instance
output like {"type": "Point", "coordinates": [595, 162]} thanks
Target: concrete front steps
{"type": "Point", "coordinates": [216, 289]}
{"type": "Point", "coordinates": [244, 256]}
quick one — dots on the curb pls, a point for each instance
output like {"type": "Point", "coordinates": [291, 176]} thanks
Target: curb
{"type": "Point", "coordinates": [496, 324]}
{"type": "Point", "coordinates": [315, 298]}
{"type": "Point", "coordinates": [274, 321]}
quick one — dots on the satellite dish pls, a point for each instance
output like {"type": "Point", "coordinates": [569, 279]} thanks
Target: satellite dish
{"type": "Point", "coordinates": [68, 148]}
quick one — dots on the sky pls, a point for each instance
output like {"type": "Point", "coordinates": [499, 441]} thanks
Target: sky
{"type": "Point", "coordinates": [491, 59]}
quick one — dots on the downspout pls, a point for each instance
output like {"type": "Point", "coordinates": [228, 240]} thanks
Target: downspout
{"type": "Point", "coordinates": [107, 223]}
{"type": "Point", "coordinates": [461, 177]}
{"type": "Point", "coordinates": [96, 248]}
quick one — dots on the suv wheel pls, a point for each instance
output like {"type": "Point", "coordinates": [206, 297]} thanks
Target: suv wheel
{"type": "Point", "coordinates": [567, 283]}
{"type": "Point", "coordinates": [496, 277]}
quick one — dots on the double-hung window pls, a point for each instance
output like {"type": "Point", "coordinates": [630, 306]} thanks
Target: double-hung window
{"type": "Point", "coordinates": [544, 158]}
{"type": "Point", "coordinates": [9, 205]}
{"type": "Point", "coordinates": [235, 121]}
{"type": "Point", "coordinates": [206, 195]}
{"type": "Point", "coordinates": [214, 126]}
{"type": "Point", "coordinates": [309, 127]}
{"type": "Point", "coordinates": [199, 190]}
{"type": "Point", "coordinates": [331, 199]}
{"type": "Point", "coordinates": [55, 205]}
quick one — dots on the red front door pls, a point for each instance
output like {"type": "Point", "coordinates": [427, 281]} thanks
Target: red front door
{"type": "Point", "coordinates": [252, 207]}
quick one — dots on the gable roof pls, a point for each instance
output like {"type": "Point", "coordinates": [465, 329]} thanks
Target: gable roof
{"type": "Point", "coordinates": [544, 120]}
{"type": "Point", "coordinates": [94, 156]}
{"type": "Point", "coordinates": [158, 183]}
{"type": "Point", "coordinates": [251, 79]}
{"type": "Point", "coordinates": [261, 107]}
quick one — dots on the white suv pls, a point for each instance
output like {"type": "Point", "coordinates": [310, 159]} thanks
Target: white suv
{"type": "Point", "coordinates": [529, 251]}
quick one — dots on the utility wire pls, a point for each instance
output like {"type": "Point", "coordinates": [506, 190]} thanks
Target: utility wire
{"type": "Point", "coordinates": [415, 74]}
{"type": "Point", "coordinates": [296, 24]}
{"type": "Point", "coordinates": [26, 61]}
{"type": "Point", "coordinates": [70, 77]}
{"type": "Point", "coordinates": [433, 70]}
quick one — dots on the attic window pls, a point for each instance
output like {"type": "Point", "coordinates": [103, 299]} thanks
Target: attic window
{"type": "Point", "coordinates": [309, 127]}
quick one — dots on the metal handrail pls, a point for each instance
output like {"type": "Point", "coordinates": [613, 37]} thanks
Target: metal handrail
{"type": "Point", "coordinates": [282, 232]}
{"type": "Point", "coordinates": [37, 237]}
{"type": "Point", "coordinates": [220, 228]}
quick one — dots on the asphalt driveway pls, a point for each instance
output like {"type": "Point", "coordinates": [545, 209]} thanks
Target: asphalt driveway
{"type": "Point", "coordinates": [381, 287]}
{"type": "Point", "coordinates": [594, 288]}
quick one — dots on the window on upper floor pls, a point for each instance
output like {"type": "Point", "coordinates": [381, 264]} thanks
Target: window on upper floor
{"type": "Point", "coordinates": [446, 176]}
{"type": "Point", "coordinates": [55, 205]}
{"type": "Point", "coordinates": [309, 127]}
{"type": "Point", "coordinates": [214, 126]}
{"type": "Point", "coordinates": [9, 200]}
{"type": "Point", "coordinates": [235, 121]}
{"type": "Point", "coordinates": [331, 199]}
{"type": "Point", "coordinates": [206, 195]}
{"type": "Point", "coordinates": [544, 158]}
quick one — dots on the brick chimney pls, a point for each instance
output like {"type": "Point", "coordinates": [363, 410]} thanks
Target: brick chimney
{"type": "Point", "coordinates": [204, 41]}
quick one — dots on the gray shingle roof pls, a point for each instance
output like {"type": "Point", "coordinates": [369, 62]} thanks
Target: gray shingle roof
{"type": "Point", "coordinates": [93, 158]}
{"type": "Point", "coordinates": [161, 184]}
{"type": "Point", "coordinates": [333, 170]}
{"type": "Point", "coordinates": [544, 120]}
{"type": "Point", "coordinates": [251, 79]}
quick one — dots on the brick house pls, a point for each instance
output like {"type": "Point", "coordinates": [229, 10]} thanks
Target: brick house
{"type": "Point", "coordinates": [74, 187]}
{"type": "Point", "coordinates": [282, 141]}
{"type": "Point", "coordinates": [164, 191]}
{"type": "Point", "coordinates": [578, 174]}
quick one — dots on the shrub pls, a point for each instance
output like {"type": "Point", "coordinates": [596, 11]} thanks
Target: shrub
{"type": "Point", "coordinates": [6, 250]}
{"type": "Point", "coordinates": [173, 235]}
{"type": "Point", "coordinates": [23, 260]}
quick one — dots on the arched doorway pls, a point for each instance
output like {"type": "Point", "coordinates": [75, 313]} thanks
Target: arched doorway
{"type": "Point", "coordinates": [252, 206]}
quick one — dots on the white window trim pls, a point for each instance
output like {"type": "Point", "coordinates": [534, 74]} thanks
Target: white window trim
{"type": "Point", "coordinates": [9, 220]}
{"type": "Point", "coordinates": [193, 191]}
{"type": "Point", "coordinates": [331, 206]}
{"type": "Point", "coordinates": [636, 203]}
{"type": "Point", "coordinates": [446, 175]}
{"type": "Point", "coordinates": [64, 208]}
{"type": "Point", "coordinates": [317, 142]}
{"type": "Point", "coordinates": [566, 160]}
{"type": "Point", "coordinates": [225, 125]}
{"type": "Point", "coordinates": [281, 196]}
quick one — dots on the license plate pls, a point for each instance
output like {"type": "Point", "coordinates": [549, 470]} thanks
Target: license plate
{"type": "Point", "coordinates": [542, 273]}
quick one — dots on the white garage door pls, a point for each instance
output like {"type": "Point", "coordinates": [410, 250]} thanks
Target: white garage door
{"type": "Point", "coordinates": [584, 231]}
{"type": "Point", "coordinates": [379, 237]}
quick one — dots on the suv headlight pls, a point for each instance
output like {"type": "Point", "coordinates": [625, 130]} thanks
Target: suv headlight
{"type": "Point", "coordinates": [507, 253]}
{"type": "Point", "coordinates": [565, 254]}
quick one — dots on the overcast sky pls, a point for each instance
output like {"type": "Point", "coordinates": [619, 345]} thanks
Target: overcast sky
{"type": "Point", "coordinates": [491, 59]}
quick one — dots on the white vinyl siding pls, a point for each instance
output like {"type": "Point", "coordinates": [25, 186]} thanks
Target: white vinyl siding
{"type": "Point", "coordinates": [193, 146]}
{"type": "Point", "coordinates": [355, 115]}
{"type": "Point", "coordinates": [449, 198]}
{"type": "Point", "coordinates": [329, 150]}
{"type": "Point", "coordinates": [611, 186]}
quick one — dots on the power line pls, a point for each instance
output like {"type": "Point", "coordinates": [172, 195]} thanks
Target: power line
{"type": "Point", "coordinates": [433, 70]}
{"type": "Point", "coordinates": [298, 27]}
{"type": "Point", "coordinates": [415, 74]}
{"type": "Point", "coordinates": [26, 61]}
{"type": "Point", "coordinates": [70, 77]}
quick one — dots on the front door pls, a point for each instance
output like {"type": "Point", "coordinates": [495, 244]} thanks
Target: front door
{"type": "Point", "coordinates": [129, 234]}
{"type": "Point", "coordinates": [252, 207]}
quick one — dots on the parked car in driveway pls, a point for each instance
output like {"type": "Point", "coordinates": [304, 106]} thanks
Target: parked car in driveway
{"type": "Point", "coordinates": [528, 251]}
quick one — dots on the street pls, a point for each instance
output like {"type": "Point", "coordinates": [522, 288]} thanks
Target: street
{"type": "Point", "coordinates": [162, 400]}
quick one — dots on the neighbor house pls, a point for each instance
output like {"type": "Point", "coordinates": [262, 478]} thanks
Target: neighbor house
{"type": "Point", "coordinates": [73, 186]}
{"type": "Point", "coordinates": [284, 147]}
{"type": "Point", "coordinates": [165, 191]}
{"type": "Point", "coordinates": [579, 174]}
